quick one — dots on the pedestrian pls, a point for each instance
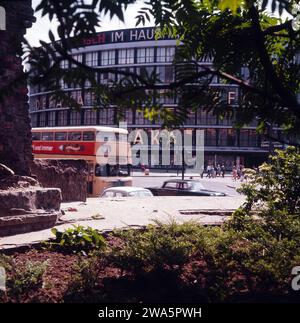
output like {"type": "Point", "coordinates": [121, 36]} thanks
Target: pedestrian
{"type": "Point", "coordinates": [234, 173]}
{"type": "Point", "coordinates": [223, 170]}
{"type": "Point", "coordinates": [208, 171]}
{"type": "Point", "coordinates": [214, 171]}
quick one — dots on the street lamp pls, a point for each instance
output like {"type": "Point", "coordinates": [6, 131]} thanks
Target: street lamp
{"type": "Point", "coordinates": [182, 155]}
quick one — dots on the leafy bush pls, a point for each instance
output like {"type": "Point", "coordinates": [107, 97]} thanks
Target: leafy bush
{"type": "Point", "coordinates": [85, 281]}
{"type": "Point", "coordinates": [269, 222]}
{"type": "Point", "coordinates": [160, 246]}
{"type": "Point", "coordinates": [78, 238]}
{"type": "Point", "coordinates": [22, 279]}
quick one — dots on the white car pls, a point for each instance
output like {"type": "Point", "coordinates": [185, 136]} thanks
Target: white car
{"type": "Point", "coordinates": [126, 191]}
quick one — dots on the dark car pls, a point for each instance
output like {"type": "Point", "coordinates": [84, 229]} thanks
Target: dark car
{"type": "Point", "coordinates": [179, 187]}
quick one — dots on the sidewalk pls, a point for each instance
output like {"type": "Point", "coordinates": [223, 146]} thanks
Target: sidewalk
{"type": "Point", "coordinates": [108, 214]}
{"type": "Point", "coordinates": [227, 180]}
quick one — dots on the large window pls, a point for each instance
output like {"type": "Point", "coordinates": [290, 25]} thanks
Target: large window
{"type": "Point", "coordinates": [33, 117]}
{"type": "Point", "coordinates": [126, 56]}
{"type": "Point", "coordinates": [90, 117]}
{"type": "Point", "coordinates": [42, 119]}
{"type": "Point", "coordinates": [77, 58]}
{"type": "Point", "coordinates": [102, 116]}
{"type": "Point", "coordinates": [34, 103]}
{"type": "Point", "coordinates": [145, 70]}
{"type": "Point", "coordinates": [190, 118]}
{"type": "Point", "coordinates": [108, 57]}
{"type": "Point", "coordinates": [253, 138]}
{"type": "Point", "coordinates": [145, 55]}
{"type": "Point", "coordinates": [51, 118]}
{"type": "Point", "coordinates": [89, 98]}
{"type": "Point", "coordinates": [206, 117]}
{"type": "Point", "coordinates": [91, 59]}
{"type": "Point", "coordinates": [226, 137]}
{"type": "Point", "coordinates": [75, 118]}
{"type": "Point", "coordinates": [210, 137]}
{"type": "Point", "coordinates": [129, 116]}
{"type": "Point", "coordinates": [165, 54]}
{"type": "Point", "coordinates": [225, 120]}
{"type": "Point", "coordinates": [106, 116]}
{"type": "Point", "coordinates": [165, 73]}
{"type": "Point", "coordinates": [139, 117]}
{"type": "Point", "coordinates": [62, 118]}
{"type": "Point", "coordinates": [110, 116]}
{"type": "Point", "coordinates": [244, 138]}
{"type": "Point", "coordinates": [122, 76]}
{"type": "Point", "coordinates": [107, 77]}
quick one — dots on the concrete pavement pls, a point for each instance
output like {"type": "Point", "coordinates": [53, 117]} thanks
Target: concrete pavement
{"type": "Point", "coordinates": [109, 214]}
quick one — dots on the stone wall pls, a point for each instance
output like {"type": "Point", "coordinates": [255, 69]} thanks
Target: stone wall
{"type": "Point", "coordinates": [15, 132]}
{"type": "Point", "coordinates": [24, 205]}
{"type": "Point", "coordinates": [68, 175]}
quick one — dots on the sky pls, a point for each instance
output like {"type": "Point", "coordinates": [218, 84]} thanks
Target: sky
{"type": "Point", "coordinates": [40, 28]}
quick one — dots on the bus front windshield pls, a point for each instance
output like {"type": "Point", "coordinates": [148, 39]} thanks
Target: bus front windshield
{"type": "Point", "coordinates": [112, 170]}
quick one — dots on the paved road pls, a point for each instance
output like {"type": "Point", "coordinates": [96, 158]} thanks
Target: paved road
{"type": "Point", "coordinates": [226, 185]}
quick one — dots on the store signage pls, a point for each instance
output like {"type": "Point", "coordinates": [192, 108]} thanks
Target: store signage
{"type": "Point", "coordinates": [121, 36]}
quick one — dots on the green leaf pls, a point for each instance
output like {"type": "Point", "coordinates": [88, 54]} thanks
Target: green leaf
{"type": "Point", "coordinates": [232, 5]}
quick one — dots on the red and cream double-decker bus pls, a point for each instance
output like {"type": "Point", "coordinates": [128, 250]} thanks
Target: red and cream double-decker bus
{"type": "Point", "coordinates": [105, 149]}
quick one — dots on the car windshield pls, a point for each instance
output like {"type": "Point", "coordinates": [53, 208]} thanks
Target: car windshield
{"type": "Point", "coordinates": [140, 193]}
{"type": "Point", "coordinates": [198, 186]}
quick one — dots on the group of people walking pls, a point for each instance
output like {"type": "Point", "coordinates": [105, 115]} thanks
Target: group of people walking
{"type": "Point", "coordinates": [218, 170]}
{"type": "Point", "coordinates": [238, 173]}
{"type": "Point", "coordinates": [213, 171]}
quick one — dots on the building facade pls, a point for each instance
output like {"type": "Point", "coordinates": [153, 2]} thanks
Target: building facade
{"type": "Point", "coordinates": [137, 50]}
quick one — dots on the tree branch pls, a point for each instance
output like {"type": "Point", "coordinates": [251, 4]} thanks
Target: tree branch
{"type": "Point", "coordinates": [287, 96]}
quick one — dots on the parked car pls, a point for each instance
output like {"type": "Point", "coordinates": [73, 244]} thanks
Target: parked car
{"type": "Point", "coordinates": [180, 187]}
{"type": "Point", "coordinates": [126, 191]}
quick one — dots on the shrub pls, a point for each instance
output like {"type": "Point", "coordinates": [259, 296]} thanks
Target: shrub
{"type": "Point", "coordinates": [78, 239]}
{"type": "Point", "coordinates": [160, 246]}
{"type": "Point", "coordinates": [22, 279]}
{"type": "Point", "coordinates": [269, 223]}
{"type": "Point", "coordinates": [85, 282]}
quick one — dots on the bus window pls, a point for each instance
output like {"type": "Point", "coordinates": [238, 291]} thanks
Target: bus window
{"type": "Point", "coordinates": [47, 136]}
{"type": "Point", "coordinates": [36, 136]}
{"type": "Point", "coordinates": [74, 136]}
{"type": "Point", "coordinates": [61, 136]}
{"type": "Point", "coordinates": [88, 136]}
{"type": "Point", "coordinates": [112, 170]}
